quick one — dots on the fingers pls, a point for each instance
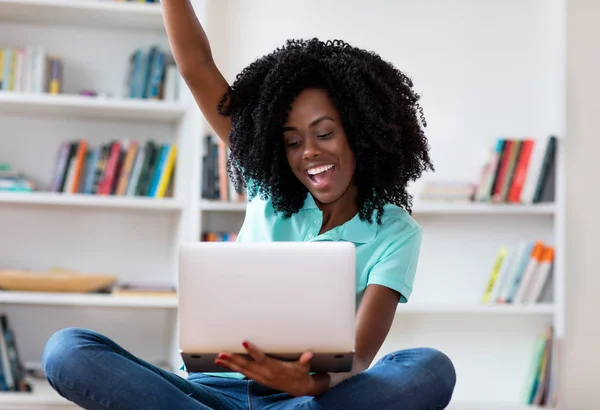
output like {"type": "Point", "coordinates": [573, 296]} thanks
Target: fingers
{"type": "Point", "coordinates": [241, 364]}
{"type": "Point", "coordinates": [239, 361]}
{"type": "Point", "coordinates": [254, 352]}
{"type": "Point", "coordinates": [305, 359]}
{"type": "Point", "coordinates": [238, 364]}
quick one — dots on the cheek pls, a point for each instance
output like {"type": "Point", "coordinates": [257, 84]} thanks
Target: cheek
{"type": "Point", "coordinates": [292, 160]}
{"type": "Point", "coordinates": [350, 162]}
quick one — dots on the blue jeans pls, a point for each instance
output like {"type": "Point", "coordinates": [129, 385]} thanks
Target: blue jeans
{"type": "Point", "coordinates": [94, 372]}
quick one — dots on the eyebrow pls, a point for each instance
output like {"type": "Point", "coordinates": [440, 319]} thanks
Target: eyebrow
{"type": "Point", "coordinates": [312, 124]}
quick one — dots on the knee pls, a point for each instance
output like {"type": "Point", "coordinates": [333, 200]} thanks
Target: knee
{"type": "Point", "coordinates": [63, 350]}
{"type": "Point", "coordinates": [432, 371]}
{"type": "Point", "coordinates": [442, 368]}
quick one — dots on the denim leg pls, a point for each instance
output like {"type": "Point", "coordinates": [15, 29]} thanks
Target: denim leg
{"type": "Point", "coordinates": [413, 379]}
{"type": "Point", "coordinates": [94, 372]}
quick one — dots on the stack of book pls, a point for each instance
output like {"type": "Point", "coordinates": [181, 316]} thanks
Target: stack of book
{"type": "Point", "coordinates": [216, 184]}
{"type": "Point", "coordinates": [542, 390]}
{"type": "Point", "coordinates": [520, 274]}
{"type": "Point", "coordinates": [12, 180]}
{"type": "Point", "coordinates": [516, 171]}
{"type": "Point", "coordinates": [152, 75]}
{"type": "Point", "coordinates": [118, 167]}
{"type": "Point", "coordinates": [519, 171]}
{"type": "Point", "coordinates": [448, 191]}
{"type": "Point", "coordinates": [147, 289]}
{"type": "Point", "coordinates": [12, 373]}
{"type": "Point", "coordinates": [210, 236]}
{"type": "Point", "coordinates": [30, 70]}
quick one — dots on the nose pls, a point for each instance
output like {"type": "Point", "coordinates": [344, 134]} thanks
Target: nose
{"type": "Point", "coordinates": [311, 149]}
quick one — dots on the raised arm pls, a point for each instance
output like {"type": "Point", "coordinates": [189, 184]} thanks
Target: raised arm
{"type": "Point", "coordinates": [194, 60]}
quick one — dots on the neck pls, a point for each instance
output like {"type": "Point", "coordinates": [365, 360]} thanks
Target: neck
{"type": "Point", "coordinates": [339, 211]}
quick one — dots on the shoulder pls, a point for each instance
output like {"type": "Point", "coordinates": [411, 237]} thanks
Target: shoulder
{"type": "Point", "coordinates": [397, 225]}
{"type": "Point", "coordinates": [256, 204]}
{"type": "Point", "coordinates": [395, 251]}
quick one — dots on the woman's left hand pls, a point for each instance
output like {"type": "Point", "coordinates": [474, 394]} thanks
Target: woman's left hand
{"type": "Point", "coordinates": [293, 378]}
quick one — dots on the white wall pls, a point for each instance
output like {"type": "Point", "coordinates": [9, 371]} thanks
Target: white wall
{"type": "Point", "coordinates": [582, 348]}
{"type": "Point", "coordinates": [483, 69]}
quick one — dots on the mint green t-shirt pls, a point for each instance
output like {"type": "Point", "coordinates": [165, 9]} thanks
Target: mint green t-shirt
{"type": "Point", "coordinates": [386, 254]}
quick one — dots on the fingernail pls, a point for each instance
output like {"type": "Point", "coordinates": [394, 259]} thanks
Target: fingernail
{"type": "Point", "coordinates": [223, 356]}
{"type": "Point", "coordinates": [245, 344]}
{"type": "Point", "coordinates": [218, 362]}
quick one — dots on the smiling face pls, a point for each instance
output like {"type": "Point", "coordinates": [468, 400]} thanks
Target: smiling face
{"type": "Point", "coordinates": [317, 147]}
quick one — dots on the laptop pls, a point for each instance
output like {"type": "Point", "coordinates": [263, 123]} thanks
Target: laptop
{"type": "Point", "coordinates": [285, 297]}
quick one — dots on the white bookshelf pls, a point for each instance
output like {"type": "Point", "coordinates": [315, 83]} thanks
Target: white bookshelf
{"type": "Point", "coordinates": [91, 107]}
{"type": "Point", "coordinates": [68, 299]}
{"type": "Point", "coordinates": [431, 208]}
{"type": "Point", "coordinates": [88, 300]}
{"type": "Point", "coordinates": [211, 205]}
{"type": "Point", "coordinates": [137, 238]}
{"type": "Point", "coordinates": [542, 309]}
{"type": "Point", "coordinates": [85, 13]}
{"type": "Point", "coordinates": [45, 199]}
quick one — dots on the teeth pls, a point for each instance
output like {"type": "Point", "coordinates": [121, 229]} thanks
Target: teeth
{"type": "Point", "coordinates": [318, 170]}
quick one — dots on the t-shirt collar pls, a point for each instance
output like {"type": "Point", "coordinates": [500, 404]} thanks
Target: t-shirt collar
{"type": "Point", "coordinates": [355, 230]}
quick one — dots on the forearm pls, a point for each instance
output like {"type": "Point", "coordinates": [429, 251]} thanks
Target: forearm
{"type": "Point", "coordinates": [358, 366]}
{"type": "Point", "coordinates": [186, 35]}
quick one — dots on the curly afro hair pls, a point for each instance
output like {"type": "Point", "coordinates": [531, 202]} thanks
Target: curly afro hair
{"type": "Point", "coordinates": [379, 110]}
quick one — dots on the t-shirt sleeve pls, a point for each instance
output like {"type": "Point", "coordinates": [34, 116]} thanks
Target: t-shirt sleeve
{"type": "Point", "coordinates": [397, 267]}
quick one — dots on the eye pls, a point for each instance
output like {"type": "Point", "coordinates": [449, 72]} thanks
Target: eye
{"type": "Point", "coordinates": [322, 136]}
{"type": "Point", "coordinates": [293, 143]}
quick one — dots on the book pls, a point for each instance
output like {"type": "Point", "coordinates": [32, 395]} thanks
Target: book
{"type": "Point", "coordinates": [489, 290]}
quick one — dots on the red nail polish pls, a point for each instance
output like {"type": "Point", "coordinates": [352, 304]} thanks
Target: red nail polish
{"type": "Point", "coordinates": [245, 344]}
{"type": "Point", "coordinates": [223, 356]}
{"type": "Point", "coordinates": [220, 363]}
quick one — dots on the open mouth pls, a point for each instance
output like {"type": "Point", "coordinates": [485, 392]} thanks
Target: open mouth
{"type": "Point", "coordinates": [321, 175]}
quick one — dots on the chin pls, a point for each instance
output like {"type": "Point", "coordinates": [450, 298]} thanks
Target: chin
{"type": "Point", "coordinates": [325, 197]}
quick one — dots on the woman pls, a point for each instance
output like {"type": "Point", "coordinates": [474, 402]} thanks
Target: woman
{"type": "Point", "coordinates": [325, 137]}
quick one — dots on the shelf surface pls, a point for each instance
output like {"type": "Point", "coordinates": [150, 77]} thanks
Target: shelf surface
{"type": "Point", "coordinates": [481, 208]}
{"type": "Point", "coordinates": [494, 309]}
{"type": "Point", "coordinates": [87, 13]}
{"type": "Point", "coordinates": [210, 205]}
{"type": "Point", "coordinates": [92, 107]}
{"type": "Point", "coordinates": [78, 299]}
{"type": "Point", "coordinates": [83, 200]}
{"type": "Point", "coordinates": [421, 208]}
{"type": "Point", "coordinates": [43, 397]}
